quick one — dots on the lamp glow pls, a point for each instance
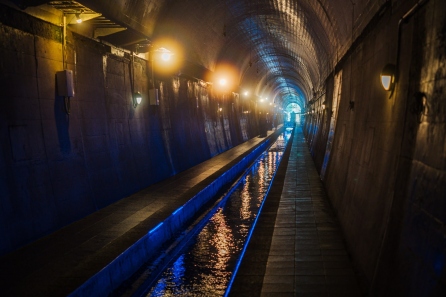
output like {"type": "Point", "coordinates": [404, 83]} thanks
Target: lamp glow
{"type": "Point", "coordinates": [223, 82]}
{"type": "Point", "coordinates": [165, 56]}
{"type": "Point", "coordinates": [137, 99]}
{"type": "Point", "coordinates": [385, 81]}
{"type": "Point", "coordinates": [78, 18]}
{"type": "Point", "coordinates": [388, 77]}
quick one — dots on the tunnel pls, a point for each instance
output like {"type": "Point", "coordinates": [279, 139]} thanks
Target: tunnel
{"type": "Point", "coordinates": [116, 115]}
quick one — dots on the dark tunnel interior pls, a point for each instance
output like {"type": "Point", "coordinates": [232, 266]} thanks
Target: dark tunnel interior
{"type": "Point", "coordinates": [100, 99]}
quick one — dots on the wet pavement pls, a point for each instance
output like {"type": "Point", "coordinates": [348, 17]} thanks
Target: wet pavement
{"type": "Point", "coordinates": [297, 248]}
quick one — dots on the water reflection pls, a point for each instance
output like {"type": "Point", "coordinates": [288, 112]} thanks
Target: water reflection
{"type": "Point", "coordinates": [205, 268]}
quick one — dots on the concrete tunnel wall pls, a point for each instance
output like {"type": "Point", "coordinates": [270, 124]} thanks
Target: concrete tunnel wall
{"type": "Point", "coordinates": [56, 168]}
{"type": "Point", "coordinates": [382, 161]}
{"type": "Point", "coordinates": [386, 174]}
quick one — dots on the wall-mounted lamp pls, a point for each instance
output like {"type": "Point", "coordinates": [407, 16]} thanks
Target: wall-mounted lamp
{"type": "Point", "coordinates": [78, 18]}
{"type": "Point", "coordinates": [137, 98]}
{"type": "Point", "coordinates": [388, 77]}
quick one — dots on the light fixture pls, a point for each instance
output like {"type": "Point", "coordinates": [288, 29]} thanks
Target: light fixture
{"type": "Point", "coordinates": [78, 18]}
{"type": "Point", "coordinates": [222, 81]}
{"type": "Point", "coordinates": [388, 77]}
{"type": "Point", "coordinates": [324, 105]}
{"type": "Point", "coordinates": [137, 98]}
{"type": "Point", "coordinates": [246, 93]}
{"type": "Point", "coordinates": [163, 54]}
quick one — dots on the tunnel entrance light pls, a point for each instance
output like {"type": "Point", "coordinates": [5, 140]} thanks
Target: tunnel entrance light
{"type": "Point", "coordinates": [388, 77]}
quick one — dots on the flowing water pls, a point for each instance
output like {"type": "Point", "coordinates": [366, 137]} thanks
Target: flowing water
{"type": "Point", "coordinates": [208, 261]}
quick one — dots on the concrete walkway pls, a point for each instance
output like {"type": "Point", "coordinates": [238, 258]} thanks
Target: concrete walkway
{"type": "Point", "coordinates": [59, 263]}
{"type": "Point", "coordinates": [297, 248]}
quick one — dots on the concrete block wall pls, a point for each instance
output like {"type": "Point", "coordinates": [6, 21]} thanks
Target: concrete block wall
{"type": "Point", "coordinates": [56, 168]}
{"type": "Point", "coordinates": [386, 175]}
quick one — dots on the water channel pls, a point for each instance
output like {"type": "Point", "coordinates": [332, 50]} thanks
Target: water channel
{"type": "Point", "coordinates": [207, 261]}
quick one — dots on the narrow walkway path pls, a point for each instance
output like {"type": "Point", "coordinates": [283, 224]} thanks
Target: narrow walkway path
{"type": "Point", "coordinates": [297, 248]}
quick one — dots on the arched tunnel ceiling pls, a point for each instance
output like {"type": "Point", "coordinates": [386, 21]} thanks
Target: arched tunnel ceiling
{"type": "Point", "coordinates": [283, 49]}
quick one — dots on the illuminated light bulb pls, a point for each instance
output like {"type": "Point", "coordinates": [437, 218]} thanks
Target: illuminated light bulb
{"type": "Point", "coordinates": [385, 81]}
{"type": "Point", "coordinates": [223, 82]}
{"type": "Point", "coordinates": [388, 77]}
{"type": "Point", "coordinates": [165, 56]}
{"type": "Point", "coordinates": [78, 18]}
{"type": "Point", "coordinates": [137, 99]}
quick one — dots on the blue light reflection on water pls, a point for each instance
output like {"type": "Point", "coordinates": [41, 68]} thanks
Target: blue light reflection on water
{"type": "Point", "coordinates": [206, 267]}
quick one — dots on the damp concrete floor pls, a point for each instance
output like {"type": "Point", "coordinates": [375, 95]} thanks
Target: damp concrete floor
{"type": "Point", "coordinates": [297, 248]}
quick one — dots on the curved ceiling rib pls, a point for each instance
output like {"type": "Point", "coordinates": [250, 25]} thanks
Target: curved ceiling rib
{"type": "Point", "coordinates": [285, 47]}
{"type": "Point", "coordinates": [288, 39]}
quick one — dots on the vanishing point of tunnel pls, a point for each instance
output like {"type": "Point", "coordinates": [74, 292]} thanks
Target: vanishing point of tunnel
{"type": "Point", "coordinates": [122, 121]}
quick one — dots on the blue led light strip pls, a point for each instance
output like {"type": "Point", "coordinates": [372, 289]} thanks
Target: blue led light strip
{"type": "Point", "coordinates": [178, 209]}
{"type": "Point", "coordinates": [248, 238]}
{"type": "Point", "coordinates": [156, 227]}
